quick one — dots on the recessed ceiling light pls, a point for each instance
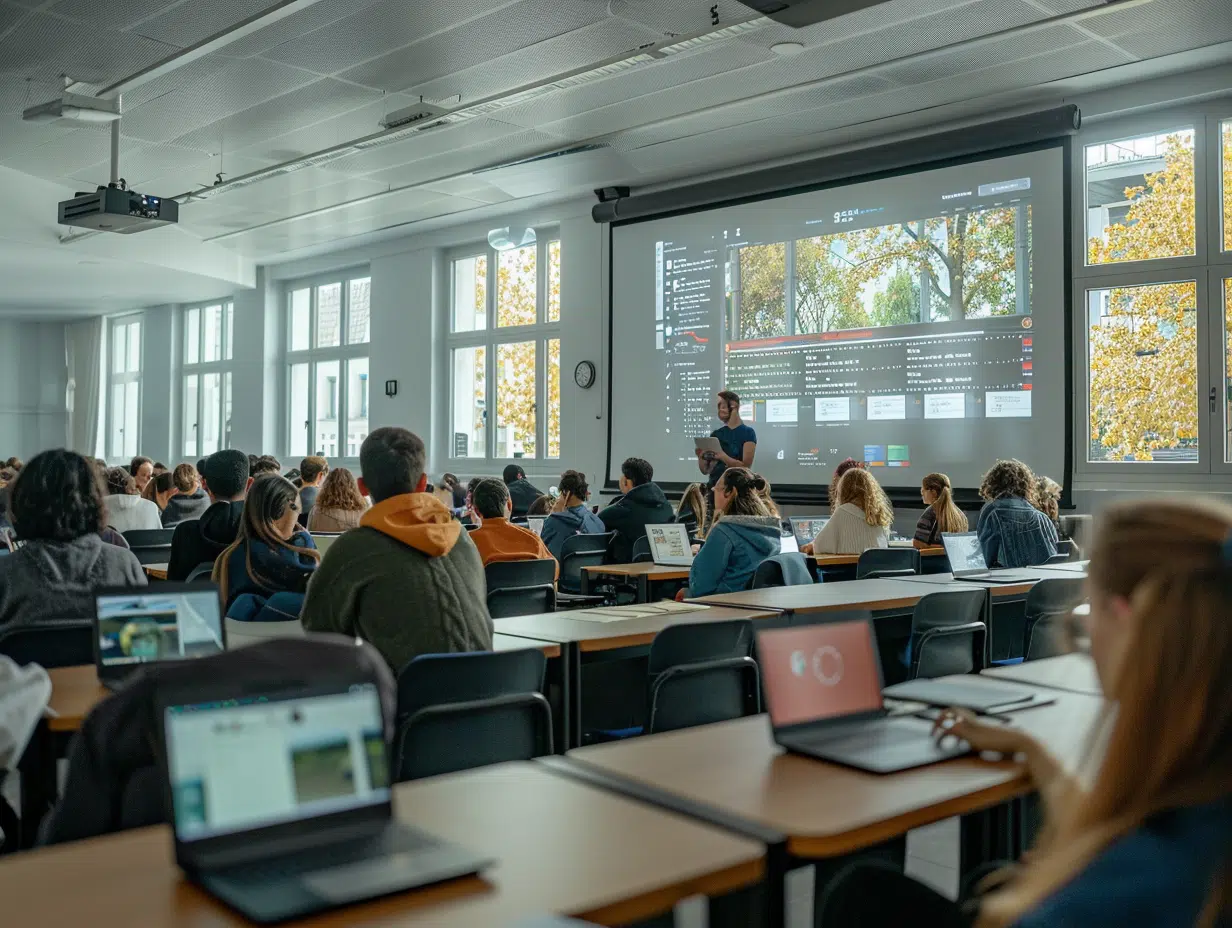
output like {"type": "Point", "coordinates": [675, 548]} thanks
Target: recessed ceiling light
{"type": "Point", "coordinates": [787, 49]}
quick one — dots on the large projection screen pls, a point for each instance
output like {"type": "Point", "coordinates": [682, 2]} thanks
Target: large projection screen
{"type": "Point", "coordinates": [916, 322]}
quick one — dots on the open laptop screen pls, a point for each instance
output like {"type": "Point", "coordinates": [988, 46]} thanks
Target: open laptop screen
{"type": "Point", "coordinates": [238, 765]}
{"type": "Point", "coordinates": [806, 528]}
{"type": "Point", "coordinates": [136, 628]}
{"type": "Point", "coordinates": [669, 544]}
{"type": "Point", "coordinates": [963, 550]}
{"type": "Point", "coordinates": [819, 672]}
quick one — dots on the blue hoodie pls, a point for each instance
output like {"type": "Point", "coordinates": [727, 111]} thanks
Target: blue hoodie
{"type": "Point", "coordinates": [733, 549]}
{"type": "Point", "coordinates": [576, 520]}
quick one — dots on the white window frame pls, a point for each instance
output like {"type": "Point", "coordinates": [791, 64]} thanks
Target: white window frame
{"type": "Point", "coordinates": [122, 378]}
{"type": "Point", "coordinates": [314, 356]}
{"type": "Point", "coordinates": [1208, 266]}
{"type": "Point", "coordinates": [491, 338]}
{"type": "Point", "coordinates": [224, 367]}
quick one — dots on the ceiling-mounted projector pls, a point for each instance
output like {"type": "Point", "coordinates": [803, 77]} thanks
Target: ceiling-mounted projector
{"type": "Point", "coordinates": [506, 238]}
{"type": "Point", "coordinates": [76, 108]}
{"type": "Point", "coordinates": [110, 209]}
{"type": "Point", "coordinates": [807, 12]}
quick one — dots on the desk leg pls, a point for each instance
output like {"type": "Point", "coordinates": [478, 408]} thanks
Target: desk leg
{"type": "Point", "coordinates": [643, 588]}
{"type": "Point", "coordinates": [570, 697]}
{"type": "Point", "coordinates": [985, 837]}
{"type": "Point", "coordinates": [38, 783]}
{"type": "Point", "coordinates": [584, 583]}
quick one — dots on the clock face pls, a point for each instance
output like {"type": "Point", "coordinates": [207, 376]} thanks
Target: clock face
{"type": "Point", "coordinates": [584, 374]}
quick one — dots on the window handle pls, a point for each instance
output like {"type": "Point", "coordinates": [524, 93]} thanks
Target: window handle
{"type": "Point", "coordinates": [1213, 404]}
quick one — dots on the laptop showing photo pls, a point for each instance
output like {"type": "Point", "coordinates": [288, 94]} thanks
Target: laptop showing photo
{"type": "Point", "coordinates": [281, 803]}
{"type": "Point", "coordinates": [967, 560]}
{"type": "Point", "coordinates": [669, 544]}
{"type": "Point", "coordinates": [823, 692]}
{"type": "Point", "coordinates": [805, 528]}
{"type": "Point", "coordinates": [172, 621]}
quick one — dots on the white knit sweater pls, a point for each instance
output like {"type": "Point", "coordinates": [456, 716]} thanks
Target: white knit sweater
{"type": "Point", "coordinates": [848, 533]}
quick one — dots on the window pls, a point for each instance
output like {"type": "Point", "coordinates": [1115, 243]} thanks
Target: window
{"type": "Point", "coordinates": [504, 352]}
{"type": "Point", "coordinates": [1226, 380]}
{"type": "Point", "coordinates": [329, 327]}
{"type": "Point", "coordinates": [1225, 180]}
{"type": "Point", "coordinates": [124, 400]}
{"type": "Point", "coordinates": [209, 342]}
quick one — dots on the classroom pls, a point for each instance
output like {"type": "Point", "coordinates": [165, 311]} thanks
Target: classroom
{"type": "Point", "coordinates": [350, 573]}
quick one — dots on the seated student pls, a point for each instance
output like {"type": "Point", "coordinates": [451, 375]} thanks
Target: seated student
{"type": "Point", "coordinates": [160, 491]}
{"type": "Point", "coordinates": [409, 579]}
{"type": "Point", "coordinates": [692, 510]}
{"type": "Point", "coordinates": [861, 521]}
{"type": "Point", "coordinates": [264, 464]}
{"type": "Point", "coordinates": [200, 541]}
{"type": "Point", "coordinates": [191, 502]}
{"type": "Point", "coordinates": [941, 515]}
{"type": "Point", "coordinates": [1144, 837]}
{"type": "Point", "coordinates": [521, 490]}
{"type": "Point", "coordinates": [1048, 501]}
{"type": "Point", "coordinates": [542, 506]}
{"type": "Point", "coordinates": [141, 469]}
{"type": "Point", "coordinates": [271, 555]}
{"type": "Point", "coordinates": [451, 483]}
{"type": "Point", "coordinates": [1013, 533]}
{"type": "Point", "coordinates": [312, 471]}
{"type": "Point", "coordinates": [570, 514]}
{"type": "Point", "coordinates": [642, 504]}
{"type": "Point", "coordinates": [743, 534]}
{"type": "Point", "coordinates": [843, 467]}
{"type": "Point", "coordinates": [497, 538]}
{"type": "Point", "coordinates": [126, 510]}
{"type": "Point", "coordinates": [56, 507]}
{"type": "Point", "coordinates": [339, 505]}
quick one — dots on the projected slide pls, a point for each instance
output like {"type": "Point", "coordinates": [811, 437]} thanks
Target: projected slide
{"type": "Point", "coordinates": [903, 322]}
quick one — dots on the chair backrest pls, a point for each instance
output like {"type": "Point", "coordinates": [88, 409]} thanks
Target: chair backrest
{"type": "Point", "coordinates": [883, 574]}
{"type": "Point", "coordinates": [242, 634]}
{"type": "Point", "coordinates": [149, 537]}
{"type": "Point", "coordinates": [790, 569]}
{"type": "Point", "coordinates": [948, 634]}
{"type": "Point", "coordinates": [580, 551]}
{"type": "Point", "coordinates": [458, 711]}
{"type": "Point", "coordinates": [201, 572]}
{"type": "Point", "coordinates": [883, 559]}
{"type": "Point", "coordinates": [1057, 558]}
{"type": "Point", "coordinates": [702, 673]}
{"type": "Point", "coordinates": [52, 643]}
{"type": "Point", "coordinates": [641, 550]}
{"type": "Point", "coordinates": [695, 643]}
{"type": "Point", "coordinates": [152, 554]}
{"type": "Point", "coordinates": [1049, 604]}
{"type": "Point", "coordinates": [521, 587]}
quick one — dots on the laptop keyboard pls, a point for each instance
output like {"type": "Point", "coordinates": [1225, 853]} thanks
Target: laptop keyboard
{"type": "Point", "coordinates": [321, 863]}
{"type": "Point", "coordinates": [888, 736]}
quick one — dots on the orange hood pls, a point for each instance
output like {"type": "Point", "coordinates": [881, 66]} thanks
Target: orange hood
{"type": "Point", "coordinates": [418, 520]}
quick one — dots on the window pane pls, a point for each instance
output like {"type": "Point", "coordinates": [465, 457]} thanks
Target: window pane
{"type": "Point", "coordinates": [325, 432]}
{"type": "Point", "coordinates": [357, 405]}
{"type": "Point", "coordinates": [470, 294]}
{"type": "Point", "coordinates": [1227, 369]}
{"type": "Point", "coordinates": [190, 417]}
{"type": "Point", "coordinates": [301, 323]}
{"type": "Point", "coordinates": [134, 348]}
{"type": "Point", "coordinates": [553, 389]}
{"type": "Point", "coordinates": [211, 340]}
{"type": "Point", "coordinates": [515, 290]}
{"type": "Point", "coordinates": [329, 315]}
{"type": "Point", "coordinates": [761, 296]}
{"type": "Point", "coordinates": [229, 352]}
{"type": "Point", "coordinates": [515, 400]}
{"type": "Point", "coordinates": [131, 428]}
{"type": "Point", "coordinates": [192, 336]}
{"type": "Point", "coordinates": [1142, 347]}
{"type": "Point", "coordinates": [226, 410]}
{"type": "Point", "coordinates": [119, 350]}
{"type": "Point", "coordinates": [1225, 158]}
{"type": "Point", "coordinates": [553, 281]}
{"type": "Point", "coordinates": [358, 317]}
{"type": "Point", "coordinates": [1140, 198]}
{"type": "Point", "coordinates": [211, 402]}
{"type": "Point", "coordinates": [115, 446]}
{"type": "Point", "coordinates": [470, 403]}
{"type": "Point", "coordinates": [298, 417]}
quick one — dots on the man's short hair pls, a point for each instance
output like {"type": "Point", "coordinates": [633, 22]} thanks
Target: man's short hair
{"type": "Point", "coordinates": [637, 471]}
{"type": "Point", "coordinates": [392, 462]}
{"type": "Point", "coordinates": [185, 478]}
{"type": "Point", "coordinates": [266, 464]}
{"type": "Point", "coordinates": [490, 498]}
{"type": "Point", "coordinates": [312, 467]}
{"type": "Point", "coordinates": [513, 472]}
{"type": "Point", "coordinates": [226, 473]}
{"type": "Point", "coordinates": [730, 397]}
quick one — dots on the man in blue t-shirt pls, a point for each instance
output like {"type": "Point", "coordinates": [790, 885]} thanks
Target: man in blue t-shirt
{"type": "Point", "coordinates": [737, 441]}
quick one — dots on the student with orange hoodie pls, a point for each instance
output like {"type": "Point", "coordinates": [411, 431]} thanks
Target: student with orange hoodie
{"type": "Point", "coordinates": [408, 580]}
{"type": "Point", "coordinates": [497, 538]}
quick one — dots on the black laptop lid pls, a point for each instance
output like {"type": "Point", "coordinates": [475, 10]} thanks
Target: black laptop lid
{"type": "Point", "coordinates": [171, 621]}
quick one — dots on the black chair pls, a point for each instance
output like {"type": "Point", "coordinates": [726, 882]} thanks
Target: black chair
{"type": "Point", "coordinates": [887, 562]}
{"type": "Point", "coordinates": [200, 572]}
{"type": "Point", "coordinates": [151, 545]}
{"type": "Point", "coordinates": [580, 551]}
{"type": "Point", "coordinates": [51, 643]}
{"type": "Point", "coordinates": [948, 634]}
{"type": "Point", "coordinates": [521, 587]}
{"type": "Point", "coordinates": [701, 674]}
{"type": "Point", "coordinates": [459, 711]}
{"type": "Point", "coordinates": [1066, 546]}
{"type": "Point", "coordinates": [790, 569]}
{"type": "Point", "coordinates": [641, 551]}
{"type": "Point", "coordinates": [1047, 611]}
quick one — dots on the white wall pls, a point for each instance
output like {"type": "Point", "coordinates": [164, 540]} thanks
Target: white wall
{"type": "Point", "coordinates": [33, 380]}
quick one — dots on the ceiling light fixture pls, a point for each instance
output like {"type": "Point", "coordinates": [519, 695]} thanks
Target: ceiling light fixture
{"type": "Point", "coordinates": [787, 49]}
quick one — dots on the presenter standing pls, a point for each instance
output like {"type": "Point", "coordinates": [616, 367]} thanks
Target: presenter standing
{"type": "Point", "coordinates": [737, 441]}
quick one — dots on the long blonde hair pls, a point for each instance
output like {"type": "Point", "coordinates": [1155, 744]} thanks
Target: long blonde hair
{"type": "Point", "coordinates": [949, 517]}
{"type": "Point", "coordinates": [861, 488]}
{"type": "Point", "coordinates": [1170, 744]}
{"type": "Point", "coordinates": [1048, 497]}
{"type": "Point", "coordinates": [694, 500]}
{"type": "Point", "coordinates": [767, 497]}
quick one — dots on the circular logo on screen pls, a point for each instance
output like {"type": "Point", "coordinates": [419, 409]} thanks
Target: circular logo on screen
{"type": "Point", "coordinates": [1026, 322]}
{"type": "Point", "coordinates": [799, 663]}
{"type": "Point", "coordinates": [828, 665]}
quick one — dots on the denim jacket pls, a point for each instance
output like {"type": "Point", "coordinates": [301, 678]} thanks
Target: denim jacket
{"type": "Point", "coordinates": [733, 549]}
{"type": "Point", "coordinates": [1013, 533]}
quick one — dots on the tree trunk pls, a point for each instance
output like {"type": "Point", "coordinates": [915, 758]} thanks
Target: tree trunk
{"type": "Point", "coordinates": [955, 263]}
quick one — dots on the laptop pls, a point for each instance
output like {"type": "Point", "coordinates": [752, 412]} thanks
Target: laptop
{"type": "Point", "coordinates": [172, 621]}
{"type": "Point", "coordinates": [670, 545]}
{"type": "Point", "coordinates": [967, 560]}
{"type": "Point", "coordinates": [535, 525]}
{"type": "Point", "coordinates": [806, 528]}
{"type": "Point", "coordinates": [324, 539]}
{"type": "Point", "coordinates": [281, 803]}
{"type": "Point", "coordinates": [788, 544]}
{"type": "Point", "coordinates": [823, 692]}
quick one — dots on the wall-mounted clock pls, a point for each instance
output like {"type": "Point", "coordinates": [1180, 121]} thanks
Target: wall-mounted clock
{"type": "Point", "coordinates": [584, 374]}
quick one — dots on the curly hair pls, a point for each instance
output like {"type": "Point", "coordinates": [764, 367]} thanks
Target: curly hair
{"type": "Point", "coordinates": [57, 496]}
{"type": "Point", "coordinates": [842, 468]}
{"type": "Point", "coordinates": [341, 491]}
{"type": "Point", "coordinates": [574, 481]}
{"type": "Point", "coordinates": [860, 488]}
{"type": "Point", "coordinates": [1007, 480]}
{"type": "Point", "coordinates": [121, 483]}
{"type": "Point", "coordinates": [1048, 497]}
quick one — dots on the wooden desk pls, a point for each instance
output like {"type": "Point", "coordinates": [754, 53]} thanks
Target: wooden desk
{"type": "Point", "coordinates": [74, 692]}
{"type": "Point", "coordinates": [560, 846]}
{"type": "Point", "coordinates": [501, 642]}
{"type": "Point", "coordinates": [644, 575]}
{"type": "Point", "coordinates": [874, 595]}
{"type": "Point", "coordinates": [1074, 673]}
{"type": "Point", "coordinates": [155, 571]}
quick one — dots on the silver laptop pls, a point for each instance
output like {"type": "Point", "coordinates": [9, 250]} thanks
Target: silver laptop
{"type": "Point", "coordinates": [281, 801]}
{"type": "Point", "coordinates": [823, 692]}
{"type": "Point", "coordinates": [670, 545]}
{"type": "Point", "coordinates": [806, 528]}
{"type": "Point", "coordinates": [967, 560]}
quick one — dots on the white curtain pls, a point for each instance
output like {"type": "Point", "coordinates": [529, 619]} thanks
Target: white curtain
{"type": "Point", "coordinates": [83, 346]}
